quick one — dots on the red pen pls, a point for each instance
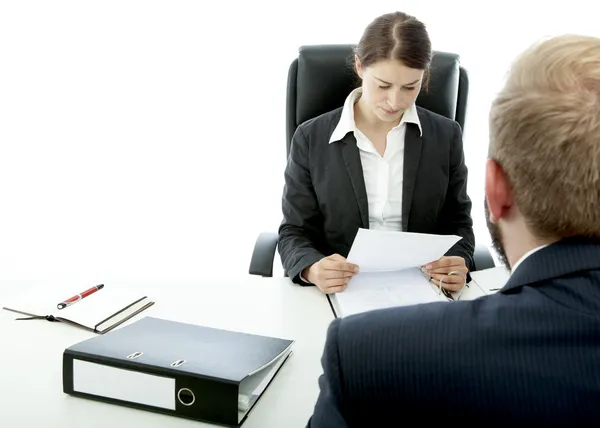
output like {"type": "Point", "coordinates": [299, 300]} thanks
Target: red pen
{"type": "Point", "coordinates": [79, 296]}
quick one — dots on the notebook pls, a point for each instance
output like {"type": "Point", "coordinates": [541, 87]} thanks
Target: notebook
{"type": "Point", "coordinates": [99, 312]}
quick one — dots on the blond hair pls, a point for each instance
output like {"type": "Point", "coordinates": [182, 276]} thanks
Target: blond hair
{"type": "Point", "coordinates": [545, 134]}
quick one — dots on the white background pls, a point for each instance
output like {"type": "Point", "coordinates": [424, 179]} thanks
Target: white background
{"type": "Point", "coordinates": [145, 139]}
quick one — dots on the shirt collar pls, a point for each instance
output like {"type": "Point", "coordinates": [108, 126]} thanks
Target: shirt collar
{"type": "Point", "coordinates": [347, 124]}
{"type": "Point", "coordinates": [527, 254]}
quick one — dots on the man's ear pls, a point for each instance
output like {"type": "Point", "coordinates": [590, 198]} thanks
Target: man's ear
{"type": "Point", "coordinates": [358, 66]}
{"type": "Point", "coordinates": [498, 191]}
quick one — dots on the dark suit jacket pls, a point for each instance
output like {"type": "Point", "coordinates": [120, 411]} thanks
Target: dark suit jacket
{"type": "Point", "coordinates": [325, 200]}
{"type": "Point", "coordinates": [527, 355]}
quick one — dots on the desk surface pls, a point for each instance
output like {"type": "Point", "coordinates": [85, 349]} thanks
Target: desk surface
{"type": "Point", "coordinates": [31, 352]}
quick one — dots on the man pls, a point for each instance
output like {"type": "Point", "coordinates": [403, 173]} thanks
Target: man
{"type": "Point", "coordinates": [529, 354]}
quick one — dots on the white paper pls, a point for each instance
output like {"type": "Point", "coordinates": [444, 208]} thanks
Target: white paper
{"type": "Point", "coordinates": [390, 270]}
{"type": "Point", "coordinates": [376, 290]}
{"type": "Point", "coordinates": [380, 250]}
{"type": "Point", "coordinates": [491, 280]}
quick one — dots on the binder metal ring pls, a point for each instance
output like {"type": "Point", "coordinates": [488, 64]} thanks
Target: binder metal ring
{"type": "Point", "coordinates": [454, 272]}
{"type": "Point", "coordinates": [186, 391]}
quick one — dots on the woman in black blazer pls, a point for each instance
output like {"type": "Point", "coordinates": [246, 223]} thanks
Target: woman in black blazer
{"type": "Point", "coordinates": [378, 162]}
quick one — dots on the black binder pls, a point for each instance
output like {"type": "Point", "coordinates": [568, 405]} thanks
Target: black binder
{"type": "Point", "coordinates": [174, 368]}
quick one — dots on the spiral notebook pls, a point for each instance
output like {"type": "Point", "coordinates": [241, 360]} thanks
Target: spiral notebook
{"type": "Point", "coordinates": [99, 313]}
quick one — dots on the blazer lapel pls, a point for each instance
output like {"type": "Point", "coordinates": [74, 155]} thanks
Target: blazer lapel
{"type": "Point", "coordinates": [351, 157]}
{"type": "Point", "coordinates": [412, 156]}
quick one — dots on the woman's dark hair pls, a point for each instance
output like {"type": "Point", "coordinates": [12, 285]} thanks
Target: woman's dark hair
{"type": "Point", "coordinates": [396, 36]}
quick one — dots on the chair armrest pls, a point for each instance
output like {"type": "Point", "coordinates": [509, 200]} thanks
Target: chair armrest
{"type": "Point", "coordinates": [264, 254]}
{"type": "Point", "coordinates": [483, 258]}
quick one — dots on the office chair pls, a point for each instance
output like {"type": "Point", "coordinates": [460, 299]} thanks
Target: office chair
{"type": "Point", "coordinates": [321, 78]}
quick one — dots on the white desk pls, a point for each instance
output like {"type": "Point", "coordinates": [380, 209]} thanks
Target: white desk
{"type": "Point", "coordinates": [31, 352]}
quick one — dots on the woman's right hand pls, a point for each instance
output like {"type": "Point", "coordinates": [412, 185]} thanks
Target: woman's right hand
{"type": "Point", "coordinates": [331, 274]}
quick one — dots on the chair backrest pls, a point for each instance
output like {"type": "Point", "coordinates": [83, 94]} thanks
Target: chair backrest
{"type": "Point", "coordinates": [320, 79]}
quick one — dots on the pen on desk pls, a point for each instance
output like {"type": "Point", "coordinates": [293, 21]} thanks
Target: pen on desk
{"type": "Point", "coordinates": [79, 296]}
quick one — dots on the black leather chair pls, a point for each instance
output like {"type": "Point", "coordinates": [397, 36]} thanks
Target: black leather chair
{"type": "Point", "coordinates": [321, 78]}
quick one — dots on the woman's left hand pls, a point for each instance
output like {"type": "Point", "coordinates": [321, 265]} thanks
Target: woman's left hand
{"type": "Point", "coordinates": [440, 269]}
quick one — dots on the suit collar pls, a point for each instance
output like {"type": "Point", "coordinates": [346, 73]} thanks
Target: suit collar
{"type": "Point", "coordinates": [412, 157]}
{"type": "Point", "coordinates": [351, 157]}
{"type": "Point", "coordinates": [527, 254]}
{"type": "Point", "coordinates": [556, 260]}
{"type": "Point", "coordinates": [347, 125]}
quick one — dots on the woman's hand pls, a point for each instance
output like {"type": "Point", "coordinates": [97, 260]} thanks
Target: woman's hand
{"type": "Point", "coordinates": [440, 269]}
{"type": "Point", "coordinates": [331, 274]}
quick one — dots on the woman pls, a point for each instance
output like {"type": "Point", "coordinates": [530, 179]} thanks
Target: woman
{"type": "Point", "coordinates": [378, 162]}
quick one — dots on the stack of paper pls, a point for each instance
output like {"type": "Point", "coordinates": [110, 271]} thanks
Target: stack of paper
{"type": "Point", "coordinates": [390, 270]}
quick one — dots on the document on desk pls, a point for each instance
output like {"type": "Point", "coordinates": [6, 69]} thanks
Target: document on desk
{"type": "Point", "coordinates": [390, 270]}
{"type": "Point", "coordinates": [491, 280]}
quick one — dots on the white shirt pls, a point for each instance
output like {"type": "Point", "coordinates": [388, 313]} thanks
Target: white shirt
{"type": "Point", "coordinates": [383, 175]}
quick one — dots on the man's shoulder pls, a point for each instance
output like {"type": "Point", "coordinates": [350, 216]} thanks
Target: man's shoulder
{"type": "Point", "coordinates": [416, 329]}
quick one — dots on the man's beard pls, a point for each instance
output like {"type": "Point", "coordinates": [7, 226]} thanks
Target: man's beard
{"type": "Point", "coordinates": [496, 234]}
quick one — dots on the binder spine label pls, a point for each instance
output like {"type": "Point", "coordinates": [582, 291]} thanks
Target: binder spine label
{"type": "Point", "coordinates": [126, 385]}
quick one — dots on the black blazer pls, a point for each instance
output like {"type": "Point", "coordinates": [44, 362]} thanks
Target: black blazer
{"type": "Point", "coordinates": [528, 355]}
{"type": "Point", "coordinates": [325, 200]}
